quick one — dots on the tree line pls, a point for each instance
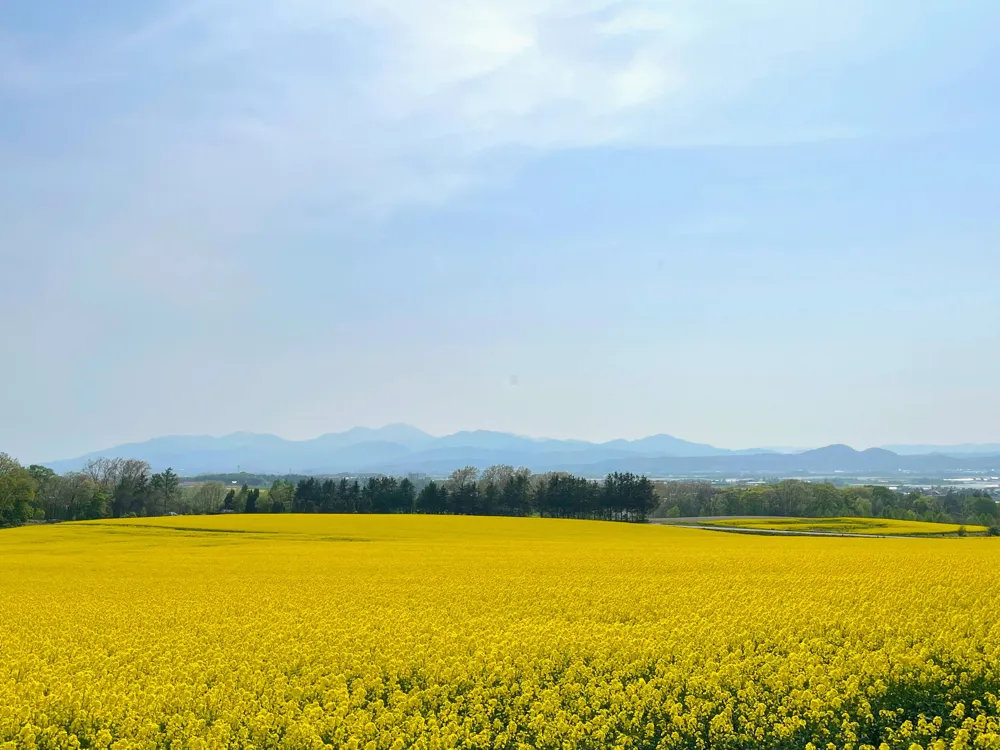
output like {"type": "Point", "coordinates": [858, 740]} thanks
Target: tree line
{"type": "Point", "coordinates": [118, 488]}
{"type": "Point", "coordinates": [106, 487]}
{"type": "Point", "coordinates": [115, 487]}
{"type": "Point", "coordinates": [498, 491]}
{"type": "Point", "coordinates": [821, 499]}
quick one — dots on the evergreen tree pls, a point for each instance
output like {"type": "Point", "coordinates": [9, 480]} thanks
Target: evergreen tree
{"type": "Point", "coordinates": [405, 497]}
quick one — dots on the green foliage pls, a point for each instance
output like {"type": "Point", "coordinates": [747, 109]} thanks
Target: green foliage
{"type": "Point", "coordinates": [165, 487]}
{"type": "Point", "coordinates": [17, 492]}
{"type": "Point", "coordinates": [124, 487]}
{"type": "Point", "coordinates": [209, 497]}
{"type": "Point", "coordinates": [823, 500]}
{"type": "Point", "coordinates": [253, 496]}
{"type": "Point", "coordinates": [282, 493]}
{"type": "Point", "coordinates": [984, 508]}
{"type": "Point", "coordinates": [46, 492]}
{"type": "Point", "coordinates": [508, 492]}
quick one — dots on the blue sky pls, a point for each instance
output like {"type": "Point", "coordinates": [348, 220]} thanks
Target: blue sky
{"type": "Point", "coordinates": [766, 225]}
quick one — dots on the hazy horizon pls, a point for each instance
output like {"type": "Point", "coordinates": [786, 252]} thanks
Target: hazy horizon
{"type": "Point", "coordinates": [743, 226]}
{"type": "Point", "coordinates": [906, 448]}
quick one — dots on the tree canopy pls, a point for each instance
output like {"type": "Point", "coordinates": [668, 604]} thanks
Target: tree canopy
{"type": "Point", "coordinates": [116, 487]}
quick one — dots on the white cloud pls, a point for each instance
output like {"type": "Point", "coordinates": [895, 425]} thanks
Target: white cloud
{"type": "Point", "coordinates": [374, 97]}
{"type": "Point", "coordinates": [383, 81]}
{"type": "Point", "coordinates": [219, 112]}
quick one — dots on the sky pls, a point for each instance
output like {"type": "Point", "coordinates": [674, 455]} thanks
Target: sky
{"type": "Point", "coordinates": [748, 224]}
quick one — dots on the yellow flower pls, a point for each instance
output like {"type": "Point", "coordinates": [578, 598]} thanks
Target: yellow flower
{"type": "Point", "coordinates": [390, 632]}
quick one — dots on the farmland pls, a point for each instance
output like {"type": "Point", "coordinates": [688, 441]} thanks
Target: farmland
{"type": "Point", "coordinates": [391, 632]}
{"type": "Point", "coordinates": [868, 526]}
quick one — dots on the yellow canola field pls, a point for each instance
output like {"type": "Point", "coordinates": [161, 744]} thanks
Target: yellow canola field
{"type": "Point", "coordinates": [882, 526]}
{"type": "Point", "coordinates": [436, 632]}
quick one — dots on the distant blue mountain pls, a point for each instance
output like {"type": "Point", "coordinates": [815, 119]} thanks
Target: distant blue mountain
{"type": "Point", "coordinates": [253, 452]}
{"type": "Point", "coordinates": [400, 449]}
{"type": "Point", "coordinates": [963, 449]}
{"type": "Point", "coordinates": [364, 448]}
{"type": "Point", "coordinates": [666, 445]}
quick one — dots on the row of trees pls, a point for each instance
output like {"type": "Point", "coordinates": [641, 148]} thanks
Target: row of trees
{"type": "Point", "coordinates": [123, 487]}
{"type": "Point", "coordinates": [106, 487]}
{"type": "Point", "coordinates": [813, 500]}
{"type": "Point", "coordinates": [498, 491]}
{"type": "Point", "coordinates": [126, 487]}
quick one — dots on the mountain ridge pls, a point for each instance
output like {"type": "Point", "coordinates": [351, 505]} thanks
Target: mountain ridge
{"type": "Point", "coordinates": [401, 448]}
{"type": "Point", "coordinates": [361, 447]}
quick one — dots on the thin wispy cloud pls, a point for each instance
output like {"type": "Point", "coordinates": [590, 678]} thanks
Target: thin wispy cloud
{"type": "Point", "coordinates": [383, 103]}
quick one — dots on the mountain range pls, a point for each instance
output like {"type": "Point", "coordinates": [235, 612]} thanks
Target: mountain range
{"type": "Point", "coordinates": [402, 449]}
